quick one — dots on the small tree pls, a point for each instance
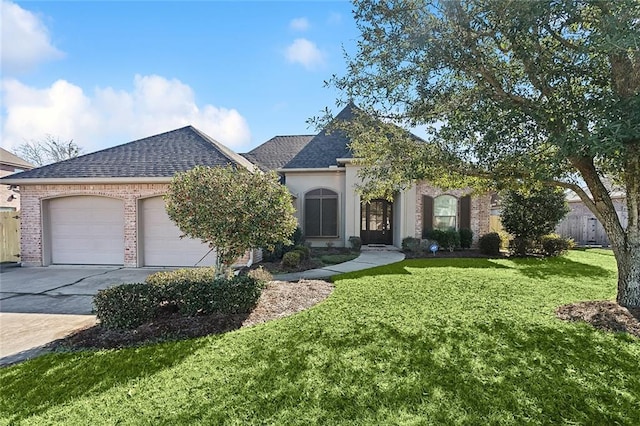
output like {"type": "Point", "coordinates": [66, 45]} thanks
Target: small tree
{"type": "Point", "coordinates": [48, 150]}
{"type": "Point", "coordinates": [532, 214]}
{"type": "Point", "coordinates": [231, 209]}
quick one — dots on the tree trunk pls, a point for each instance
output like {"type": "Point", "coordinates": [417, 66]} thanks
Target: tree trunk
{"type": "Point", "coordinates": [628, 260]}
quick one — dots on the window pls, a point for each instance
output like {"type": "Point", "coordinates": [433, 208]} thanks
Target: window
{"type": "Point", "coordinates": [445, 212]}
{"type": "Point", "coordinates": [321, 213]}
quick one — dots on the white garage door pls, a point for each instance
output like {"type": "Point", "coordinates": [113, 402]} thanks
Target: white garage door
{"type": "Point", "coordinates": [161, 242]}
{"type": "Point", "coordinates": [86, 230]}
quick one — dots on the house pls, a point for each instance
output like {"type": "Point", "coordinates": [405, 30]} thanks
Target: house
{"type": "Point", "coordinates": [9, 194]}
{"type": "Point", "coordinates": [322, 177]}
{"type": "Point", "coordinates": [107, 207]}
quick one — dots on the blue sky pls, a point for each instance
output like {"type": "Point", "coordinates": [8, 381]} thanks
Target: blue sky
{"type": "Point", "coordinates": [105, 73]}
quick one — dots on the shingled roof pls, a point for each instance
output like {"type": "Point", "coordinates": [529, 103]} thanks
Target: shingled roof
{"type": "Point", "coordinates": [277, 151]}
{"type": "Point", "coordinates": [156, 156]}
{"type": "Point", "coordinates": [323, 150]}
{"type": "Point", "coordinates": [10, 159]}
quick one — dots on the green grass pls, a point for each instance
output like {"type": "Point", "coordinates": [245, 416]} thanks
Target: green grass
{"type": "Point", "coordinates": [333, 259]}
{"type": "Point", "coordinates": [426, 341]}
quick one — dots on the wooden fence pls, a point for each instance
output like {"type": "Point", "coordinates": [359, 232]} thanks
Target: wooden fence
{"type": "Point", "coordinates": [10, 233]}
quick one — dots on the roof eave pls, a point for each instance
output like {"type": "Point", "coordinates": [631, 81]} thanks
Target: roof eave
{"type": "Point", "coordinates": [313, 169]}
{"type": "Point", "coordinates": [84, 180]}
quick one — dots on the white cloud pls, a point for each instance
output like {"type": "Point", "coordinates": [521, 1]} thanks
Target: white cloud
{"type": "Point", "coordinates": [306, 53]}
{"type": "Point", "coordinates": [25, 40]}
{"type": "Point", "coordinates": [299, 24]}
{"type": "Point", "coordinates": [110, 116]}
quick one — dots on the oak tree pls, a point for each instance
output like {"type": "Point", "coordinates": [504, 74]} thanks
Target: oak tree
{"type": "Point", "coordinates": [521, 93]}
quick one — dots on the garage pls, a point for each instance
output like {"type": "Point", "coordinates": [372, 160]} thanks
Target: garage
{"type": "Point", "coordinates": [161, 242]}
{"type": "Point", "coordinates": [86, 230]}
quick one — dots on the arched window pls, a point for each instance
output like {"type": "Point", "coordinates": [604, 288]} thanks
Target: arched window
{"type": "Point", "coordinates": [321, 213]}
{"type": "Point", "coordinates": [445, 212]}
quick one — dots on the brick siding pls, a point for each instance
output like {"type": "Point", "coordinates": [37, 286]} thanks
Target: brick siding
{"type": "Point", "coordinates": [31, 216]}
{"type": "Point", "coordinates": [480, 208]}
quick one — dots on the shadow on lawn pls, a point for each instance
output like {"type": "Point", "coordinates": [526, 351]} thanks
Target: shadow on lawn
{"type": "Point", "coordinates": [558, 267]}
{"type": "Point", "coordinates": [539, 374]}
{"type": "Point", "coordinates": [69, 376]}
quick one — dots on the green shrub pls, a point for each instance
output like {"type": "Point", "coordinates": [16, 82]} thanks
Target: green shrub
{"type": "Point", "coordinates": [126, 306]}
{"type": "Point", "coordinates": [169, 283]}
{"type": "Point", "coordinates": [520, 246]}
{"type": "Point", "coordinates": [452, 239]}
{"type": "Point", "coordinates": [291, 259]}
{"type": "Point", "coordinates": [489, 244]}
{"type": "Point", "coordinates": [555, 245]}
{"type": "Point", "coordinates": [466, 238]}
{"type": "Point", "coordinates": [447, 239]}
{"type": "Point", "coordinates": [305, 252]}
{"type": "Point", "coordinates": [129, 305]}
{"type": "Point", "coordinates": [222, 296]}
{"type": "Point", "coordinates": [260, 274]}
{"type": "Point", "coordinates": [411, 244]}
{"type": "Point", "coordinates": [356, 242]}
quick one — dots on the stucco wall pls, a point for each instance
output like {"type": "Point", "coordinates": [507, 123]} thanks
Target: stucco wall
{"type": "Point", "coordinates": [301, 183]}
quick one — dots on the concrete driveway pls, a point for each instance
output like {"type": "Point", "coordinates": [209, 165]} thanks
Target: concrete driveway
{"type": "Point", "coordinates": [39, 305]}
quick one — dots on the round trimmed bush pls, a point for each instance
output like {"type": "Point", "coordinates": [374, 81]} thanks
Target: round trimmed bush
{"type": "Point", "coordinates": [489, 244]}
{"type": "Point", "coordinates": [291, 259]}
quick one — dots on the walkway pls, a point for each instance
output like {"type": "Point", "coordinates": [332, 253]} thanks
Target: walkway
{"type": "Point", "coordinates": [369, 258]}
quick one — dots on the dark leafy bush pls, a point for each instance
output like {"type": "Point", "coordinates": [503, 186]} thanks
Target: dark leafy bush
{"type": "Point", "coordinates": [129, 305]}
{"type": "Point", "coordinates": [297, 237]}
{"type": "Point", "coordinates": [126, 306]}
{"type": "Point", "coordinates": [555, 245]}
{"type": "Point", "coordinates": [521, 246]}
{"type": "Point", "coordinates": [530, 214]}
{"type": "Point", "coordinates": [466, 238]}
{"type": "Point", "coordinates": [411, 244]}
{"type": "Point", "coordinates": [291, 259]}
{"type": "Point", "coordinates": [489, 244]}
{"type": "Point", "coordinates": [447, 239]}
{"type": "Point", "coordinates": [305, 252]}
{"type": "Point", "coordinates": [356, 242]}
{"type": "Point", "coordinates": [452, 239]}
{"type": "Point", "coordinates": [169, 284]}
{"type": "Point", "coordinates": [222, 296]}
{"type": "Point", "coordinates": [280, 249]}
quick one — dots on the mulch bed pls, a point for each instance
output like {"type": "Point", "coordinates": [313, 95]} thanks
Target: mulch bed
{"type": "Point", "coordinates": [279, 299]}
{"type": "Point", "coordinates": [603, 315]}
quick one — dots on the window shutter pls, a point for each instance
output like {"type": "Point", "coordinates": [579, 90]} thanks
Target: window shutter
{"type": "Point", "coordinates": [465, 212]}
{"type": "Point", "coordinates": [427, 214]}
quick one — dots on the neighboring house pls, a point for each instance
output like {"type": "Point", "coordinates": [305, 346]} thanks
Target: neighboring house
{"type": "Point", "coordinates": [581, 224]}
{"type": "Point", "coordinates": [10, 194]}
{"type": "Point", "coordinates": [107, 207]}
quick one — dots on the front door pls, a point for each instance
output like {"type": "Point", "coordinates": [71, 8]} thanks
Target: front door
{"type": "Point", "coordinates": [376, 222]}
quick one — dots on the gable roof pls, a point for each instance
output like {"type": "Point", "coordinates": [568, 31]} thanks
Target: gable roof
{"type": "Point", "coordinates": [277, 151]}
{"type": "Point", "coordinates": [323, 150]}
{"type": "Point", "coordinates": [159, 156]}
{"type": "Point", "coordinates": [10, 159]}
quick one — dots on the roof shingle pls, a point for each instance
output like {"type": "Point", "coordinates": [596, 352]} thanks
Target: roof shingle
{"type": "Point", "coordinates": [323, 150]}
{"type": "Point", "coordinates": [161, 155]}
{"type": "Point", "coordinates": [277, 151]}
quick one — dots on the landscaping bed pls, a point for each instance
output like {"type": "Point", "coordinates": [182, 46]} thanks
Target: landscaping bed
{"type": "Point", "coordinates": [278, 299]}
{"type": "Point", "coordinates": [320, 257]}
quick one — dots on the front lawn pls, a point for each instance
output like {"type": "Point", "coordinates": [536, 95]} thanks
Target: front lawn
{"type": "Point", "coordinates": [425, 341]}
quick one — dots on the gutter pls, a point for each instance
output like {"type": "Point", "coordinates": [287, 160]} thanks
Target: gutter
{"type": "Point", "coordinates": [83, 180]}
